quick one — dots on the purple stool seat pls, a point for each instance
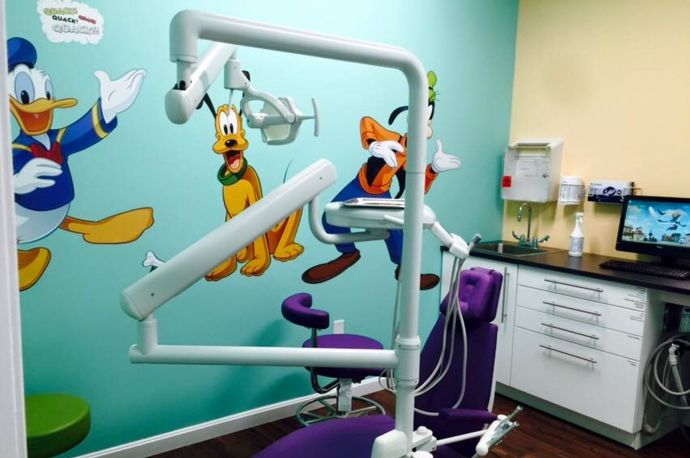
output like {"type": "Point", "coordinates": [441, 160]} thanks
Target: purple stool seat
{"type": "Point", "coordinates": [347, 438]}
{"type": "Point", "coordinates": [345, 341]}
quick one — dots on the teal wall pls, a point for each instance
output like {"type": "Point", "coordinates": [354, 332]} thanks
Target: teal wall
{"type": "Point", "coordinates": [76, 336]}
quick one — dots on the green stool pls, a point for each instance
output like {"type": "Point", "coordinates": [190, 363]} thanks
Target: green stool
{"type": "Point", "coordinates": [55, 423]}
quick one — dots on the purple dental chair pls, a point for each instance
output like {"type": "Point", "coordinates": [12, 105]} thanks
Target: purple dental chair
{"type": "Point", "coordinates": [353, 437]}
{"type": "Point", "coordinates": [297, 309]}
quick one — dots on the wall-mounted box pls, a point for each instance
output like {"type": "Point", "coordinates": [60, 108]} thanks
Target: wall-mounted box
{"type": "Point", "coordinates": [608, 191]}
{"type": "Point", "coordinates": [532, 169]}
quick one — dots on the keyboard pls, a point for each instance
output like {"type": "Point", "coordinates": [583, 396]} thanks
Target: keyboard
{"type": "Point", "coordinates": [647, 269]}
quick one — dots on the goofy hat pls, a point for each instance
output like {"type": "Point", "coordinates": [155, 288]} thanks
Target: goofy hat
{"type": "Point", "coordinates": [432, 79]}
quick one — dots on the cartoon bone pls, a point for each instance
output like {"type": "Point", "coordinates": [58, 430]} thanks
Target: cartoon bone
{"type": "Point", "coordinates": [152, 261]}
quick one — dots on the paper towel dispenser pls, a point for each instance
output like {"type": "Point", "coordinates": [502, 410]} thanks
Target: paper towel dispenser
{"type": "Point", "coordinates": [532, 169]}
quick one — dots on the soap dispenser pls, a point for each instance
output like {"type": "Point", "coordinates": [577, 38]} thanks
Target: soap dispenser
{"type": "Point", "coordinates": [577, 238]}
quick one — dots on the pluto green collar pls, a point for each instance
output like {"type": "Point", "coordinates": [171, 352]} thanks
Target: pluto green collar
{"type": "Point", "coordinates": [232, 178]}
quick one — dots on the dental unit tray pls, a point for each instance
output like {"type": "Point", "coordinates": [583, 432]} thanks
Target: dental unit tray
{"type": "Point", "coordinates": [373, 214]}
{"type": "Point", "coordinates": [372, 202]}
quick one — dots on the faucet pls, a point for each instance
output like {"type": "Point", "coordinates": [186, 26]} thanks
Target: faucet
{"type": "Point", "coordinates": [529, 217]}
{"type": "Point", "coordinates": [527, 240]}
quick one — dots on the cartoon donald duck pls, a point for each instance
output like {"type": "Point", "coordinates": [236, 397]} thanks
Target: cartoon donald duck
{"type": "Point", "coordinates": [43, 186]}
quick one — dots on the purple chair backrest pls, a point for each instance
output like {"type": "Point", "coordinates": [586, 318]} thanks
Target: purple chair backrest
{"type": "Point", "coordinates": [479, 293]}
{"type": "Point", "coordinates": [297, 309]}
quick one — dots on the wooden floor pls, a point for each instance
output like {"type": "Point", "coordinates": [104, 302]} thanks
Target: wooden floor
{"type": "Point", "coordinates": [539, 435]}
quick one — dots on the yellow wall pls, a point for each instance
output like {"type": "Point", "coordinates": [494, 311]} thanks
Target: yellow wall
{"type": "Point", "coordinates": [612, 77]}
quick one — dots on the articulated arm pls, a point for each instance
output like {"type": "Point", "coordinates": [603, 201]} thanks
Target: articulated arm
{"type": "Point", "coordinates": [150, 292]}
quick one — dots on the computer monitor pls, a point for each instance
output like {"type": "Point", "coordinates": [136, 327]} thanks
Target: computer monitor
{"type": "Point", "coordinates": [658, 226]}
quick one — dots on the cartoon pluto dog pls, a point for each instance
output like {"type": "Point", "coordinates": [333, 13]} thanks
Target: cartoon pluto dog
{"type": "Point", "coordinates": [242, 188]}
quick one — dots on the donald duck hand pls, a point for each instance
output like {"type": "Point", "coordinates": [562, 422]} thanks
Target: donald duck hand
{"type": "Point", "coordinates": [118, 95]}
{"type": "Point", "coordinates": [31, 176]}
{"type": "Point", "coordinates": [443, 162]}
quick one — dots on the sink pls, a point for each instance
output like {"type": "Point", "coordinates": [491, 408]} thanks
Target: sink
{"type": "Point", "coordinates": [512, 249]}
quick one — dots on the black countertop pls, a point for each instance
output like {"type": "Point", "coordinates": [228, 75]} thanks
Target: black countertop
{"type": "Point", "coordinates": [588, 266]}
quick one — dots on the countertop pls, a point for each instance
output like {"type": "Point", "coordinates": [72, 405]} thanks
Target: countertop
{"type": "Point", "coordinates": [588, 266]}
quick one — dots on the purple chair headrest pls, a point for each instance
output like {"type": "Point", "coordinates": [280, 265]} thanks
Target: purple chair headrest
{"type": "Point", "coordinates": [297, 309]}
{"type": "Point", "coordinates": [479, 292]}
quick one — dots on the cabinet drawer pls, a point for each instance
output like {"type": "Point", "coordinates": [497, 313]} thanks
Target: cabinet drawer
{"type": "Point", "coordinates": [593, 383]}
{"type": "Point", "coordinates": [595, 313]}
{"type": "Point", "coordinates": [633, 297]}
{"type": "Point", "coordinates": [596, 337]}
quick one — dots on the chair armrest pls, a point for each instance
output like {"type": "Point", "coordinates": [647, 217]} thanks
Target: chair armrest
{"type": "Point", "coordinates": [477, 416]}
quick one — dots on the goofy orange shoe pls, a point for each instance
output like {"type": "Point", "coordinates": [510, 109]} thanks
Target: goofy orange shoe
{"type": "Point", "coordinates": [242, 188]}
{"type": "Point", "coordinates": [43, 186]}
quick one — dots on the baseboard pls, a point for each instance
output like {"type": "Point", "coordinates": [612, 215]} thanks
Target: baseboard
{"type": "Point", "coordinates": [216, 428]}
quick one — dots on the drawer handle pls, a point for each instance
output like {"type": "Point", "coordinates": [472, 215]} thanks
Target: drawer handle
{"type": "Point", "coordinates": [589, 336]}
{"type": "Point", "coordinates": [550, 348]}
{"type": "Point", "coordinates": [553, 304]}
{"type": "Point", "coordinates": [506, 275]}
{"type": "Point", "coordinates": [555, 282]}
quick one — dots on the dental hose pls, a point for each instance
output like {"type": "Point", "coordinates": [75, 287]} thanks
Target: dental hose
{"type": "Point", "coordinates": [453, 315]}
{"type": "Point", "coordinates": [654, 382]}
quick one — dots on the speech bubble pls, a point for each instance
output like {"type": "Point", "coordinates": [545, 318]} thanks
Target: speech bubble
{"type": "Point", "coordinates": [65, 21]}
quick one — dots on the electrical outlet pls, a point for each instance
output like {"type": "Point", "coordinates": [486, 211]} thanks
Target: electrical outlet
{"type": "Point", "coordinates": [339, 327]}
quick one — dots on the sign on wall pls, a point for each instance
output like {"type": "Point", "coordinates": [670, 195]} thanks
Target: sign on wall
{"type": "Point", "coordinates": [65, 21]}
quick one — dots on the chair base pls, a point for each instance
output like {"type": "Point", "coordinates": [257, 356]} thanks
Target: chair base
{"type": "Point", "coordinates": [307, 416]}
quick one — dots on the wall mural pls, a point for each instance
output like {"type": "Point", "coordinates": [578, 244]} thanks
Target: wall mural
{"type": "Point", "coordinates": [388, 160]}
{"type": "Point", "coordinates": [43, 183]}
{"type": "Point", "coordinates": [241, 189]}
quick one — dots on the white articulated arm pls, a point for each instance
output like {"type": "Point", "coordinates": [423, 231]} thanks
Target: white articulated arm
{"type": "Point", "coordinates": [150, 292]}
{"type": "Point", "coordinates": [186, 28]}
{"type": "Point", "coordinates": [181, 102]}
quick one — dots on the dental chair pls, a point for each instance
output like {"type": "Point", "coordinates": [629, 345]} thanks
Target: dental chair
{"type": "Point", "coordinates": [479, 290]}
{"type": "Point", "coordinates": [298, 310]}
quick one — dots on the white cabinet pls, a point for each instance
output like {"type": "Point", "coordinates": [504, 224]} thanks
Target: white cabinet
{"type": "Point", "coordinates": [576, 342]}
{"type": "Point", "coordinates": [587, 381]}
{"type": "Point", "coordinates": [579, 344]}
{"type": "Point", "coordinates": [505, 315]}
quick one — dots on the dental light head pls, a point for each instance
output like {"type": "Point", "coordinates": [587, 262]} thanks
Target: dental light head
{"type": "Point", "coordinates": [279, 119]}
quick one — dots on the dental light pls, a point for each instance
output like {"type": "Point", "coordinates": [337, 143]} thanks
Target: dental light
{"type": "Point", "coordinates": [279, 118]}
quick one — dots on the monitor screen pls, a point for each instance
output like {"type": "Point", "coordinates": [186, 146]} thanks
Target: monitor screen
{"type": "Point", "coordinates": [655, 225]}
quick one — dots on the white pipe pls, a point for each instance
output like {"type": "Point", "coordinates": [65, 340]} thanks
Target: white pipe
{"type": "Point", "coordinates": [265, 356]}
{"type": "Point", "coordinates": [147, 332]}
{"type": "Point", "coordinates": [181, 104]}
{"type": "Point", "coordinates": [320, 233]}
{"type": "Point", "coordinates": [153, 290]}
{"type": "Point", "coordinates": [189, 26]}
{"type": "Point", "coordinates": [460, 438]}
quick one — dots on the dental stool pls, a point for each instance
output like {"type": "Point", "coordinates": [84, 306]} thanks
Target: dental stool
{"type": "Point", "coordinates": [55, 423]}
{"type": "Point", "coordinates": [297, 309]}
{"type": "Point", "coordinates": [479, 290]}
